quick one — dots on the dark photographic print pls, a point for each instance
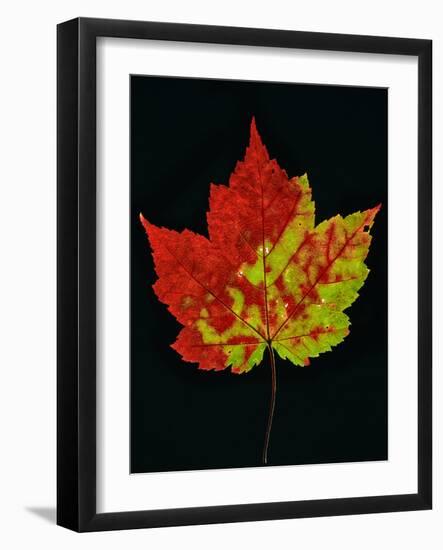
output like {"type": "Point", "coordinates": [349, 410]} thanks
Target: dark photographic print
{"type": "Point", "coordinates": [258, 274]}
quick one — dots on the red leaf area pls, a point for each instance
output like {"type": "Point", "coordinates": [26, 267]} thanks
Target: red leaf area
{"type": "Point", "coordinates": [235, 288]}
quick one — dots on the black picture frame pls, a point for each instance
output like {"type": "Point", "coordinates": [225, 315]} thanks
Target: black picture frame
{"type": "Point", "coordinates": [76, 274]}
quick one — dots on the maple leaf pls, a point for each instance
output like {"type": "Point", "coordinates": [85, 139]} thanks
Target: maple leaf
{"type": "Point", "coordinates": [267, 277]}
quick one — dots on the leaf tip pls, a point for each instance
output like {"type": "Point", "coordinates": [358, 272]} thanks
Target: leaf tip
{"type": "Point", "coordinates": [303, 180]}
{"type": "Point", "coordinates": [254, 135]}
{"type": "Point", "coordinates": [144, 221]}
{"type": "Point", "coordinates": [255, 142]}
{"type": "Point", "coordinates": [253, 129]}
{"type": "Point", "coordinates": [371, 213]}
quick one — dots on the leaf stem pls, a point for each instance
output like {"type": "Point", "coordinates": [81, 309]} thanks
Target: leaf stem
{"type": "Point", "coordinates": [272, 403]}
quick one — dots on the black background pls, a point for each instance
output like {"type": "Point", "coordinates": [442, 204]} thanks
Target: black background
{"type": "Point", "coordinates": [186, 133]}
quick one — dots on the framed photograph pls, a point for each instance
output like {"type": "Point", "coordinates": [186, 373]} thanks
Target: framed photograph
{"type": "Point", "coordinates": [244, 274]}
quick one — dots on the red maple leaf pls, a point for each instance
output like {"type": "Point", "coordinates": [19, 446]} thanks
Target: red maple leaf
{"type": "Point", "coordinates": [267, 277]}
